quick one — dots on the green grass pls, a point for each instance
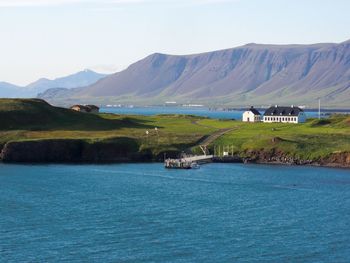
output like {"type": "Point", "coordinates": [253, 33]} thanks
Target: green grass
{"type": "Point", "coordinates": [32, 119]}
{"type": "Point", "coordinates": [311, 140]}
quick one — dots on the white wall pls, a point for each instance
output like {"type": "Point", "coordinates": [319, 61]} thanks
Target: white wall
{"type": "Point", "coordinates": [249, 116]}
{"type": "Point", "coordinates": [286, 119]}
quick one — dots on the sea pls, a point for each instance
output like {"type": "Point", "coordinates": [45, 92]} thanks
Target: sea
{"type": "Point", "coordinates": [145, 213]}
{"type": "Point", "coordinates": [199, 111]}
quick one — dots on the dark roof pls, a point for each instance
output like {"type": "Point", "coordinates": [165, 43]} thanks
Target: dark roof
{"type": "Point", "coordinates": [256, 112]}
{"type": "Point", "coordinates": [283, 111]}
{"type": "Point", "coordinates": [92, 107]}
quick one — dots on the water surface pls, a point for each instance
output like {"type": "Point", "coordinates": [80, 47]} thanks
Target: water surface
{"type": "Point", "coordinates": [144, 213]}
{"type": "Point", "coordinates": [199, 111]}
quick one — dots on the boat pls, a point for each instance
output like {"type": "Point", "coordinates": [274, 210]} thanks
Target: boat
{"type": "Point", "coordinates": [195, 165]}
{"type": "Point", "coordinates": [180, 164]}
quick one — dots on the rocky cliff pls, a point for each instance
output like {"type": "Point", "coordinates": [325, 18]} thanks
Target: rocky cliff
{"type": "Point", "coordinates": [79, 151]}
{"type": "Point", "coordinates": [274, 156]}
{"type": "Point", "coordinates": [68, 151]}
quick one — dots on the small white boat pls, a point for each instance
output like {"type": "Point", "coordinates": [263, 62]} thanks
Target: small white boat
{"type": "Point", "coordinates": [195, 165]}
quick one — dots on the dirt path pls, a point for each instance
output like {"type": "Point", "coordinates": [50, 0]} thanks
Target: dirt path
{"type": "Point", "coordinates": [206, 141]}
{"type": "Point", "coordinates": [211, 138]}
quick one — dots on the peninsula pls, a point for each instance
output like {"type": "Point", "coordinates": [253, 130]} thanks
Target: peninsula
{"type": "Point", "coordinates": [33, 131]}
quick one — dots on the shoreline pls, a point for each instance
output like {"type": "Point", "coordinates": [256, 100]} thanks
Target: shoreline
{"type": "Point", "coordinates": [79, 152]}
{"type": "Point", "coordinates": [216, 161]}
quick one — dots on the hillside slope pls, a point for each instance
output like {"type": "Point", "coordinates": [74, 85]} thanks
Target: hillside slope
{"type": "Point", "coordinates": [251, 74]}
{"type": "Point", "coordinates": [37, 114]}
{"type": "Point", "coordinates": [8, 90]}
{"type": "Point", "coordinates": [79, 79]}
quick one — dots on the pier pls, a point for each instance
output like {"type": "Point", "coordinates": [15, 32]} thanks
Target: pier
{"type": "Point", "coordinates": [187, 162]}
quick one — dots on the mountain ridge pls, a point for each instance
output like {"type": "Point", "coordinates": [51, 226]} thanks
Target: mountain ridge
{"type": "Point", "coordinates": [253, 73]}
{"type": "Point", "coordinates": [259, 74]}
{"type": "Point", "coordinates": [79, 79]}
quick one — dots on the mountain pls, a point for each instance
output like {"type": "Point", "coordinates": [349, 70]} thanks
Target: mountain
{"type": "Point", "coordinates": [8, 90]}
{"type": "Point", "coordinates": [80, 79]}
{"type": "Point", "coordinates": [253, 74]}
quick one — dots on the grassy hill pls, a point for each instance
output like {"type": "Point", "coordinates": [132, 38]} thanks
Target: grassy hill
{"type": "Point", "coordinates": [34, 120]}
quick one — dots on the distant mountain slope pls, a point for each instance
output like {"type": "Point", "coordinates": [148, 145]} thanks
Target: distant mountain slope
{"type": "Point", "coordinates": [80, 79]}
{"type": "Point", "coordinates": [8, 90]}
{"type": "Point", "coordinates": [251, 74]}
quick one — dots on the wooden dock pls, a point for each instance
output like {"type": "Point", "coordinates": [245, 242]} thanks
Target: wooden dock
{"type": "Point", "coordinates": [199, 158]}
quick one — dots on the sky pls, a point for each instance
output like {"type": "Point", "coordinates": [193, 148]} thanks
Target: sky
{"type": "Point", "coordinates": [54, 38]}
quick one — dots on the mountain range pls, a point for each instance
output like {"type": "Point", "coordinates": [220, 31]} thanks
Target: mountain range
{"type": "Point", "coordinates": [253, 74]}
{"type": "Point", "coordinates": [79, 79]}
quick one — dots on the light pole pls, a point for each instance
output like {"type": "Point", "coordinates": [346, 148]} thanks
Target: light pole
{"type": "Point", "coordinates": [319, 109]}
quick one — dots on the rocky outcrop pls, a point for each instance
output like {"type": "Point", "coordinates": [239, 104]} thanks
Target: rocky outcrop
{"type": "Point", "coordinates": [340, 159]}
{"type": "Point", "coordinates": [274, 156]}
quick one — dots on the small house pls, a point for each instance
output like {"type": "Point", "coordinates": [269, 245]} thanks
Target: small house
{"type": "Point", "coordinates": [85, 108]}
{"type": "Point", "coordinates": [283, 114]}
{"type": "Point", "coordinates": [251, 115]}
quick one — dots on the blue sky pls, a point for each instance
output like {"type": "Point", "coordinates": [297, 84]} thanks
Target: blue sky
{"type": "Point", "coordinates": [52, 38]}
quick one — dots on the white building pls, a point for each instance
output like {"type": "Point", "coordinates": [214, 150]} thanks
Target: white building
{"type": "Point", "coordinates": [290, 114]}
{"type": "Point", "coordinates": [251, 115]}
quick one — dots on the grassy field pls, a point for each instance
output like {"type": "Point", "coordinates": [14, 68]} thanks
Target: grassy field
{"type": "Point", "coordinates": [310, 140]}
{"type": "Point", "coordinates": [23, 119]}
{"type": "Point", "coordinates": [36, 120]}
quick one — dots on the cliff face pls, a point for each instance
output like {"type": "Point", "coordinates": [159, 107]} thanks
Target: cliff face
{"type": "Point", "coordinates": [61, 151]}
{"type": "Point", "coordinates": [340, 159]}
{"type": "Point", "coordinates": [77, 151]}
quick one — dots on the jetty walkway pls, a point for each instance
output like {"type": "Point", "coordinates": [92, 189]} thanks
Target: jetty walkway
{"type": "Point", "coordinates": [188, 162]}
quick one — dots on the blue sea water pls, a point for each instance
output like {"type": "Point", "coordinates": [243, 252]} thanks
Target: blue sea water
{"type": "Point", "coordinates": [144, 213]}
{"type": "Point", "coordinates": [199, 111]}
